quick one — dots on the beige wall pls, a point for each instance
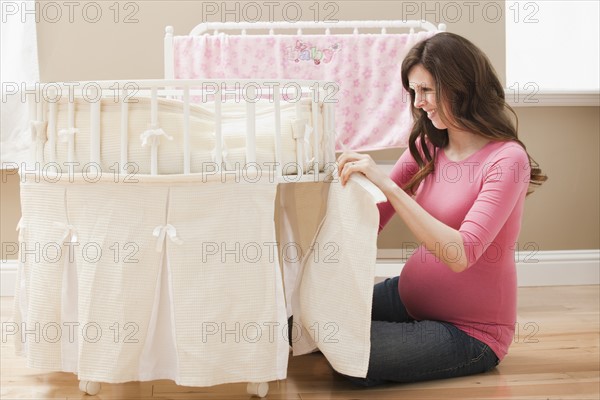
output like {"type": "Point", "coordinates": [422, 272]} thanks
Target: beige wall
{"type": "Point", "coordinates": [10, 212]}
{"type": "Point", "coordinates": [108, 50]}
{"type": "Point", "coordinates": [563, 214]}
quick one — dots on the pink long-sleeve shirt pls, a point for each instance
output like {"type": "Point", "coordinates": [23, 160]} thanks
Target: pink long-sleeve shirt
{"type": "Point", "coordinates": [482, 197]}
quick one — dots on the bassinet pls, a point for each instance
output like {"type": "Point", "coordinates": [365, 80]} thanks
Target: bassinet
{"type": "Point", "coordinates": [148, 248]}
{"type": "Point", "coordinates": [147, 219]}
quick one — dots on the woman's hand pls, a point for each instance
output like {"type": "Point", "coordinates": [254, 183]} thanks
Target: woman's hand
{"type": "Point", "coordinates": [350, 162]}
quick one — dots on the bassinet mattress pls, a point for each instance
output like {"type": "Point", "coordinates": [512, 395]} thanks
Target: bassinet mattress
{"type": "Point", "coordinates": [295, 122]}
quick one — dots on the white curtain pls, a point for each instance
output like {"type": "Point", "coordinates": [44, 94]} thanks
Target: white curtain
{"type": "Point", "coordinates": [19, 58]}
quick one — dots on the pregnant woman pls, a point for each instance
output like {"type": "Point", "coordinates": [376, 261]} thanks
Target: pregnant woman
{"type": "Point", "coordinates": [460, 189]}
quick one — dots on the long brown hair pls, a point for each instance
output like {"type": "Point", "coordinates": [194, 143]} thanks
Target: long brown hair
{"type": "Point", "coordinates": [466, 80]}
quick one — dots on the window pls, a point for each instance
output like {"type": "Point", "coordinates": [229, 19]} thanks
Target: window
{"type": "Point", "coordinates": [552, 46]}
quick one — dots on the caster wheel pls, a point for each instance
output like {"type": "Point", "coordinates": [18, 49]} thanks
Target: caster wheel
{"type": "Point", "coordinates": [258, 389]}
{"type": "Point", "coordinates": [91, 388]}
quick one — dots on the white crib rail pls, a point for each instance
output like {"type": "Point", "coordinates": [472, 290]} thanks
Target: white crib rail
{"type": "Point", "coordinates": [186, 131]}
{"type": "Point", "coordinates": [52, 130]}
{"type": "Point", "coordinates": [321, 25]}
{"type": "Point", "coordinates": [95, 132]}
{"type": "Point", "coordinates": [124, 130]}
{"type": "Point", "coordinates": [277, 100]}
{"type": "Point", "coordinates": [251, 126]}
{"type": "Point", "coordinates": [215, 91]}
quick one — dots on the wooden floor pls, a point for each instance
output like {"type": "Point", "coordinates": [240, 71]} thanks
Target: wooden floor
{"type": "Point", "coordinates": [555, 355]}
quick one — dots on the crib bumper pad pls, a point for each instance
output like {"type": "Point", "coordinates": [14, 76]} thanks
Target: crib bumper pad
{"type": "Point", "coordinates": [55, 141]}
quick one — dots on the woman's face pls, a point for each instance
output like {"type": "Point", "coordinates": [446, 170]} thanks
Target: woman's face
{"type": "Point", "coordinates": [423, 84]}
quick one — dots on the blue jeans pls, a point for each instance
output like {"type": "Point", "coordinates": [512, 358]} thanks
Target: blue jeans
{"type": "Point", "coordinates": [405, 350]}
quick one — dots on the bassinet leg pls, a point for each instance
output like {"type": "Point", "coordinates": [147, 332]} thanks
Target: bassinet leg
{"type": "Point", "coordinates": [259, 389]}
{"type": "Point", "coordinates": [91, 388]}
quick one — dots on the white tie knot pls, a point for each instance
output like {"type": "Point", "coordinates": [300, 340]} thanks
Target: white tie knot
{"type": "Point", "coordinates": [70, 232]}
{"type": "Point", "coordinates": [152, 135]}
{"type": "Point", "coordinates": [161, 232]}
{"type": "Point", "coordinates": [67, 134]}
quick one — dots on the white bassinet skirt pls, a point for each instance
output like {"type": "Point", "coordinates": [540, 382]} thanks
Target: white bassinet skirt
{"type": "Point", "coordinates": [172, 278]}
{"type": "Point", "coordinates": [334, 289]}
{"type": "Point", "coordinates": [228, 306]}
{"type": "Point", "coordinates": [38, 295]}
{"type": "Point", "coordinates": [145, 293]}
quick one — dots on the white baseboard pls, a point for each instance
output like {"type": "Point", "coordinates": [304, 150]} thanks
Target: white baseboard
{"type": "Point", "coordinates": [8, 277]}
{"type": "Point", "coordinates": [546, 268]}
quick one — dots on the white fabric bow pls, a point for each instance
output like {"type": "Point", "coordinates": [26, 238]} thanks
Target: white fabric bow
{"type": "Point", "coordinates": [69, 232]}
{"type": "Point", "coordinates": [161, 233]}
{"type": "Point", "coordinates": [224, 154]}
{"type": "Point", "coordinates": [303, 131]}
{"type": "Point", "coordinates": [21, 229]}
{"type": "Point", "coordinates": [308, 130]}
{"type": "Point", "coordinates": [150, 137]}
{"type": "Point", "coordinates": [67, 134]}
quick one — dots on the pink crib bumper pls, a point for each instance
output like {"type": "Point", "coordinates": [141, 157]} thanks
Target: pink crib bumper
{"type": "Point", "coordinates": [372, 108]}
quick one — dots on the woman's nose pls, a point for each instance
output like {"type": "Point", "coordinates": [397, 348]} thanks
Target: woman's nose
{"type": "Point", "coordinates": [419, 100]}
